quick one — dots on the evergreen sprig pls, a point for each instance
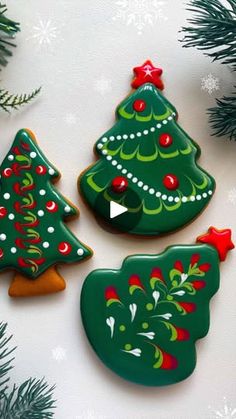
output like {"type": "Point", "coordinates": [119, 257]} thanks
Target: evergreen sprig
{"type": "Point", "coordinates": [8, 30]}
{"type": "Point", "coordinates": [31, 400]}
{"type": "Point", "coordinates": [213, 29]}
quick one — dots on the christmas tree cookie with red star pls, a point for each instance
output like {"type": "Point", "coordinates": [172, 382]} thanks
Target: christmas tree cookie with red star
{"type": "Point", "coordinates": [151, 312]}
{"type": "Point", "coordinates": [33, 234]}
{"type": "Point", "coordinates": [147, 164]}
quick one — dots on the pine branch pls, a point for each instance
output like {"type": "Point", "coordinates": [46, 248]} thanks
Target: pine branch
{"type": "Point", "coordinates": [223, 117]}
{"type": "Point", "coordinates": [10, 101]}
{"type": "Point", "coordinates": [8, 29]}
{"type": "Point", "coordinates": [31, 400]}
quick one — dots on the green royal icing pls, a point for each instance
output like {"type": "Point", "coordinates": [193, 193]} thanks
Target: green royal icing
{"type": "Point", "coordinates": [131, 149]}
{"type": "Point", "coordinates": [33, 235]}
{"type": "Point", "coordinates": [144, 319]}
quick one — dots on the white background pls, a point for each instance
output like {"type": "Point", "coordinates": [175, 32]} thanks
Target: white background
{"type": "Point", "coordinates": [71, 114]}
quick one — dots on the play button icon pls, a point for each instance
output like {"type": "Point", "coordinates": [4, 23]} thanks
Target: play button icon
{"type": "Point", "coordinates": [116, 209]}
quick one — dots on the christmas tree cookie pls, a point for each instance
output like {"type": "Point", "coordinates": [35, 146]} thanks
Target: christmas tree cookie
{"type": "Point", "coordinates": [33, 235]}
{"type": "Point", "coordinates": [148, 164]}
{"type": "Point", "coordinates": [144, 319]}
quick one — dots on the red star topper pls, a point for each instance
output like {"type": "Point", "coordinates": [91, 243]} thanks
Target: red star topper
{"type": "Point", "coordinates": [147, 73]}
{"type": "Point", "coordinates": [220, 239]}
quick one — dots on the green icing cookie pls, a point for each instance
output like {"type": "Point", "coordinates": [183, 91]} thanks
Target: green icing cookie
{"type": "Point", "coordinates": [33, 235]}
{"type": "Point", "coordinates": [147, 163]}
{"type": "Point", "coordinates": [144, 319]}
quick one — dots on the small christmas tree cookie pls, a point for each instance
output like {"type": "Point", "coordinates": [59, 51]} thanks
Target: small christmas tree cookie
{"type": "Point", "coordinates": [143, 320]}
{"type": "Point", "coordinates": [33, 235]}
{"type": "Point", "coordinates": [148, 164]}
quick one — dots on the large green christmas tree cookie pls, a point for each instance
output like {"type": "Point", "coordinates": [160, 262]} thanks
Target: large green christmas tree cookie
{"type": "Point", "coordinates": [33, 235]}
{"type": "Point", "coordinates": [144, 319]}
{"type": "Point", "coordinates": [147, 163]}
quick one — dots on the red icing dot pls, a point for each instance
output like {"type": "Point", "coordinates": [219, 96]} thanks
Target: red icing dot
{"type": "Point", "coordinates": [41, 170]}
{"type": "Point", "coordinates": [51, 206]}
{"type": "Point", "coordinates": [3, 212]}
{"type": "Point", "coordinates": [171, 182]}
{"type": "Point", "coordinates": [139, 105]}
{"type": "Point", "coordinates": [119, 184]}
{"type": "Point", "coordinates": [1, 253]}
{"type": "Point", "coordinates": [7, 172]}
{"type": "Point", "coordinates": [64, 248]}
{"type": "Point", "coordinates": [165, 140]}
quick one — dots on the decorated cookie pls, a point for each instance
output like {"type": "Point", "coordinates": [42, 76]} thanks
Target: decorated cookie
{"type": "Point", "coordinates": [143, 320]}
{"type": "Point", "coordinates": [147, 164]}
{"type": "Point", "coordinates": [33, 235]}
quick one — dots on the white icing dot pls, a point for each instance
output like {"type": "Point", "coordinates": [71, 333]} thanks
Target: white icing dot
{"type": "Point", "coordinates": [129, 176]}
{"type": "Point", "coordinates": [11, 216]}
{"type": "Point", "coordinates": [119, 167]}
{"type": "Point", "coordinates": [80, 252]}
{"type": "Point", "coordinates": [184, 199]}
{"type": "Point", "coordinates": [151, 191]}
{"type": "Point", "coordinates": [40, 213]}
{"type": "Point", "coordinates": [140, 184]}
{"type": "Point", "coordinates": [42, 192]}
{"type": "Point", "coordinates": [145, 187]}
{"type": "Point", "coordinates": [204, 195]}
{"type": "Point", "coordinates": [164, 197]}
{"type": "Point", "coordinates": [210, 192]}
{"type": "Point", "coordinates": [104, 140]}
{"type": "Point", "coordinates": [6, 196]}
{"type": "Point", "coordinates": [109, 158]}
{"type": "Point", "coordinates": [114, 162]}
{"type": "Point", "coordinates": [192, 198]}
{"type": "Point", "coordinates": [159, 126]}
{"type": "Point", "coordinates": [125, 137]}
{"type": "Point", "coordinates": [104, 152]}
{"type": "Point", "coordinates": [145, 132]}
{"type": "Point", "coordinates": [3, 237]}
{"type": "Point", "coordinates": [45, 245]}
{"type": "Point", "coordinates": [51, 172]}
{"type": "Point", "coordinates": [51, 229]}
{"type": "Point", "coordinates": [152, 129]}
{"type": "Point", "coordinates": [33, 154]}
{"type": "Point", "coordinates": [13, 250]}
{"type": "Point", "coordinates": [139, 134]}
{"type": "Point", "coordinates": [67, 208]}
{"type": "Point", "coordinates": [132, 136]}
{"type": "Point", "coordinates": [100, 146]}
{"type": "Point", "coordinates": [171, 199]}
{"type": "Point", "coordinates": [177, 199]}
{"type": "Point", "coordinates": [198, 197]}
{"type": "Point", "coordinates": [158, 194]}
{"type": "Point", "coordinates": [164, 122]}
{"type": "Point", "coordinates": [10, 157]}
{"type": "Point", "coordinates": [135, 180]}
{"type": "Point", "coordinates": [170, 118]}
{"type": "Point", "coordinates": [112, 138]}
{"type": "Point", "coordinates": [124, 171]}
{"type": "Point", "coordinates": [118, 137]}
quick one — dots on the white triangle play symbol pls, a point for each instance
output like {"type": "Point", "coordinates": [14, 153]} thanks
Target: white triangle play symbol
{"type": "Point", "coordinates": [116, 209]}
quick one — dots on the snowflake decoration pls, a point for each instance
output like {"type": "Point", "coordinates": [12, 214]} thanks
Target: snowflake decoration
{"type": "Point", "coordinates": [102, 85]}
{"type": "Point", "coordinates": [70, 119]}
{"type": "Point", "coordinates": [210, 83]}
{"type": "Point", "coordinates": [227, 412]}
{"type": "Point", "coordinates": [59, 354]}
{"type": "Point", "coordinates": [232, 196]}
{"type": "Point", "coordinates": [44, 33]}
{"type": "Point", "coordinates": [140, 13]}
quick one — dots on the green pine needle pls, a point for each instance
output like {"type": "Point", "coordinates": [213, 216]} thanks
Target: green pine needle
{"type": "Point", "coordinates": [10, 101]}
{"type": "Point", "coordinates": [8, 29]}
{"type": "Point", "coordinates": [31, 400]}
{"type": "Point", "coordinates": [213, 29]}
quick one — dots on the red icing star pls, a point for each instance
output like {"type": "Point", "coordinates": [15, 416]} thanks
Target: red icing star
{"type": "Point", "coordinates": [220, 239]}
{"type": "Point", "coordinates": [147, 73]}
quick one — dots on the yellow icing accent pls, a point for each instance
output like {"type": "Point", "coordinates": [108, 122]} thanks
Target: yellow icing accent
{"type": "Point", "coordinates": [169, 155]}
{"type": "Point", "coordinates": [187, 150]}
{"type": "Point", "coordinates": [125, 156]}
{"type": "Point", "coordinates": [93, 185]}
{"type": "Point", "coordinates": [152, 212]}
{"type": "Point", "coordinates": [125, 114]}
{"type": "Point", "coordinates": [163, 116]}
{"type": "Point", "coordinates": [203, 185]}
{"type": "Point", "coordinates": [147, 158]}
{"type": "Point", "coordinates": [173, 207]}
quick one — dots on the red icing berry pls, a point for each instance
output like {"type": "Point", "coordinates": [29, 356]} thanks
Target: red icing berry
{"type": "Point", "coordinates": [41, 170]}
{"type": "Point", "coordinates": [119, 184]}
{"type": "Point", "coordinates": [171, 182]}
{"type": "Point", "coordinates": [1, 253]}
{"type": "Point", "coordinates": [139, 105]}
{"type": "Point", "coordinates": [64, 248]}
{"type": "Point", "coordinates": [7, 172]}
{"type": "Point", "coordinates": [52, 206]}
{"type": "Point", "coordinates": [165, 140]}
{"type": "Point", "coordinates": [3, 212]}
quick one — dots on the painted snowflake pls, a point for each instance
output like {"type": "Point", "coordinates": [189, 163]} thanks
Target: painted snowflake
{"type": "Point", "coordinates": [232, 196]}
{"type": "Point", "coordinates": [59, 354]}
{"type": "Point", "coordinates": [226, 412]}
{"type": "Point", "coordinates": [140, 13]}
{"type": "Point", "coordinates": [210, 83]}
{"type": "Point", "coordinates": [102, 86]}
{"type": "Point", "coordinates": [44, 33]}
{"type": "Point", "coordinates": [70, 119]}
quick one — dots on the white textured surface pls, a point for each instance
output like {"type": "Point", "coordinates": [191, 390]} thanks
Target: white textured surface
{"type": "Point", "coordinates": [68, 118]}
